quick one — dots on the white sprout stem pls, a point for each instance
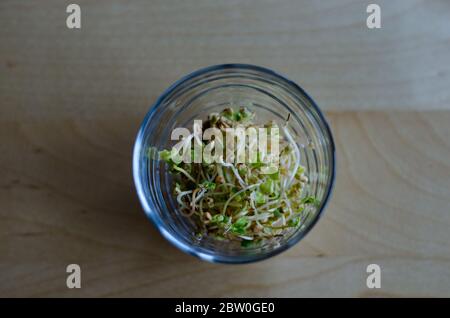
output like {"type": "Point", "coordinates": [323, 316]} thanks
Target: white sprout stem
{"type": "Point", "coordinates": [237, 193]}
{"type": "Point", "coordinates": [227, 175]}
{"type": "Point", "coordinates": [259, 217]}
{"type": "Point", "coordinates": [185, 173]}
{"type": "Point", "coordinates": [288, 167]}
{"type": "Point", "coordinates": [201, 172]}
{"type": "Point", "coordinates": [220, 173]}
{"type": "Point", "coordinates": [199, 196]}
{"type": "Point", "coordinates": [236, 173]}
{"type": "Point", "coordinates": [265, 206]}
{"type": "Point", "coordinates": [180, 196]}
{"type": "Point", "coordinates": [252, 204]}
{"type": "Point", "coordinates": [213, 176]}
{"type": "Point", "coordinates": [227, 184]}
{"type": "Point", "coordinates": [242, 213]}
{"type": "Point", "coordinates": [297, 155]}
{"type": "Point", "coordinates": [288, 203]}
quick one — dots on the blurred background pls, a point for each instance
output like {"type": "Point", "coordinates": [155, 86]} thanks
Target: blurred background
{"type": "Point", "coordinates": [71, 102]}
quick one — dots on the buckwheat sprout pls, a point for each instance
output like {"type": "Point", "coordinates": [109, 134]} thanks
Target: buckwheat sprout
{"type": "Point", "coordinates": [238, 202]}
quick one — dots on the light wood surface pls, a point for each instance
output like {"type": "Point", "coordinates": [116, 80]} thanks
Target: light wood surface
{"type": "Point", "coordinates": [71, 103]}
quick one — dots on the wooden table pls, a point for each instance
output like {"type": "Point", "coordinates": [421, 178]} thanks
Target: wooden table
{"type": "Point", "coordinates": [71, 102]}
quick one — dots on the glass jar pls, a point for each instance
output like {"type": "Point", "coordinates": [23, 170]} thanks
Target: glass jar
{"type": "Point", "coordinates": [272, 97]}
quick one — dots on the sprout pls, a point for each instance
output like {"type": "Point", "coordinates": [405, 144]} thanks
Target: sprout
{"type": "Point", "coordinates": [310, 200]}
{"type": "Point", "coordinates": [239, 226]}
{"type": "Point", "coordinates": [268, 187]}
{"type": "Point", "coordinates": [208, 185]}
{"type": "Point", "coordinates": [277, 213]}
{"type": "Point", "coordinates": [259, 197]}
{"type": "Point", "coordinates": [237, 202]}
{"type": "Point", "coordinates": [165, 155]}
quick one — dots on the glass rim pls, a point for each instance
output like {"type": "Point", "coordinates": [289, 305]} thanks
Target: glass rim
{"type": "Point", "coordinates": [190, 249]}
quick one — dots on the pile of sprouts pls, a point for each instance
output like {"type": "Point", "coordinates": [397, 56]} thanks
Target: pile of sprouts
{"type": "Point", "coordinates": [242, 202]}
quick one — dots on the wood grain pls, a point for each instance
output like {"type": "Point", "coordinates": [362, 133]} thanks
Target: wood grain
{"type": "Point", "coordinates": [71, 102]}
{"type": "Point", "coordinates": [67, 196]}
{"type": "Point", "coordinates": [126, 54]}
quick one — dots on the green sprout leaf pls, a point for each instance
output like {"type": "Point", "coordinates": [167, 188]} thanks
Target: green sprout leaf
{"type": "Point", "coordinates": [267, 187]}
{"type": "Point", "coordinates": [310, 200]}
{"type": "Point", "coordinates": [248, 201]}
{"type": "Point", "coordinates": [208, 185]}
{"type": "Point", "coordinates": [294, 222]}
{"type": "Point", "coordinates": [259, 198]}
{"type": "Point", "coordinates": [246, 243]}
{"type": "Point", "coordinates": [238, 227]}
{"type": "Point", "coordinates": [165, 155]}
{"type": "Point", "coordinates": [277, 213]}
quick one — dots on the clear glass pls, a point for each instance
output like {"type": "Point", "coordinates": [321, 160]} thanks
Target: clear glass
{"type": "Point", "coordinates": [272, 97]}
